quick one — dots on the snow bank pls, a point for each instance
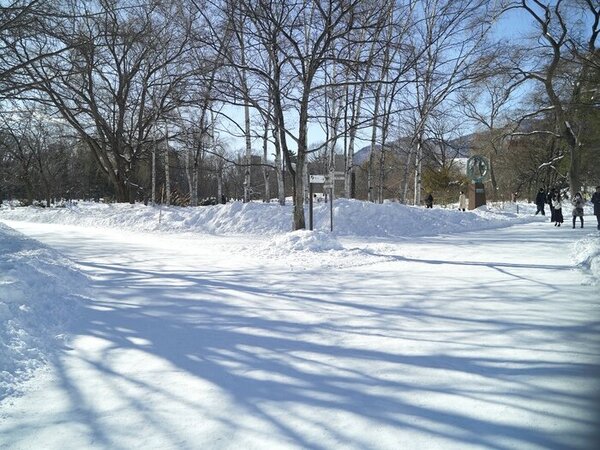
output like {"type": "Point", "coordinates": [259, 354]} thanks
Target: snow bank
{"type": "Point", "coordinates": [357, 218]}
{"type": "Point", "coordinates": [304, 249]}
{"type": "Point", "coordinates": [36, 302]}
{"type": "Point", "coordinates": [586, 254]}
{"type": "Point", "coordinates": [305, 240]}
{"type": "Point", "coordinates": [350, 217]}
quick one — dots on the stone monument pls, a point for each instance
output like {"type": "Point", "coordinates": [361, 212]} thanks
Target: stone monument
{"type": "Point", "coordinates": [478, 168]}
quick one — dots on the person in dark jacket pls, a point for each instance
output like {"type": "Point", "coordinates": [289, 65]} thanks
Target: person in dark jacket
{"type": "Point", "coordinates": [596, 203]}
{"type": "Point", "coordinates": [429, 201]}
{"type": "Point", "coordinates": [540, 201]}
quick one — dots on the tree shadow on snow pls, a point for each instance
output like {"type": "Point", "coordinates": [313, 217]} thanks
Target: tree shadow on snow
{"type": "Point", "coordinates": [297, 357]}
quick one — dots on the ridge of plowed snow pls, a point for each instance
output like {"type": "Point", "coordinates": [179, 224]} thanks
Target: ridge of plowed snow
{"type": "Point", "coordinates": [350, 217]}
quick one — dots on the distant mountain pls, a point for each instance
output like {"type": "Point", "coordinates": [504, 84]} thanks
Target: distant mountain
{"type": "Point", "coordinates": [463, 145]}
{"type": "Point", "coordinates": [362, 155]}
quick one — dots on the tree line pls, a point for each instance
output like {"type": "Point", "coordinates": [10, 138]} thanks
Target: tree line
{"type": "Point", "coordinates": [142, 99]}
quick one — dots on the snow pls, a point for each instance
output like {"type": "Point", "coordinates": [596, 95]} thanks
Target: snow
{"type": "Point", "coordinates": [129, 326]}
{"type": "Point", "coordinates": [587, 256]}
{"type": "Point", "coordinates": [350, 217]}
{"type": "Point", "coordinates": [38, 297]}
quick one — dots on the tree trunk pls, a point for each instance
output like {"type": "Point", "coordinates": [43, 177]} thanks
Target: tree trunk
{"type": "Point", "coordinates": [248, 155]}
{"type": "Point", "coordinates": [154, 172]}
{"type": "Point", "coordinates": [349, 169]}
{"type": "Point", "coordinates": [418, 170]}
{"type": "Point", "coordinates": [220, 186]}
{"type": "Point", "coordinates": [373, 142]}
{"type": "Point", "coordinates": [265, 167]}
{"type": "Point", "coordinates": [300, 175]}
{"type": "Point", "coordinates": [406, 179]}
{"type": "Point", "coordinates": [381, 173]}
{"type": "Point", "coordinates": [299, 221]}
{"type": "Point", "coordinates": [248, 158]}
{"type": "Point", "coordinates": [195, 176]}
{"type": "Point", "coordinates": [167, 168]}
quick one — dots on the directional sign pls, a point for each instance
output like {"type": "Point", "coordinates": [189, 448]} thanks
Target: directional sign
{"type": "Point", "coordinates": [317, 178]}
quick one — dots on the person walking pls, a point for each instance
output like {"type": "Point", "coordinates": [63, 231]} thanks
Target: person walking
{"type": "Point", "coordinates": [429, 201]}
{"type": "Point", "coordinates": [462, 201]}
{"type": "Point", "coordinates": [557, 214]}
{"type": "Point", "coordinates": [596, 203]}
{"type": "Point", "coordinates": [540, 201]}
{"type": "Point", "coordinates": [578, 204]}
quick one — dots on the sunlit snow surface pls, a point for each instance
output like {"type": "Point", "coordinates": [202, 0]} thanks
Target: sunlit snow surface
{"type": "Point", "coordinates": [38, 289]}
{"type": "Point", "coordinates": [136, 327]}
{"type": "Point", "coordinates": [351, 218]}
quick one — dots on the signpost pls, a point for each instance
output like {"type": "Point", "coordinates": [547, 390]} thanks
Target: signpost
{"type": "Point", "coordinates": [327, 183]}
{"type": "Point", "coordinates": [313, 179]}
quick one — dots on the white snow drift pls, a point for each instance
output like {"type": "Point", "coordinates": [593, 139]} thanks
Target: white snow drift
{"type": "Point", "coordinates": [37, 299]}
{"type": "Point", "coordinates": [350, 217]}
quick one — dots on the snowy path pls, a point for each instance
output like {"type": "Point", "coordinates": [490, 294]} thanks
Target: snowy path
{"type": "Point", "coordinates": [483, 340]}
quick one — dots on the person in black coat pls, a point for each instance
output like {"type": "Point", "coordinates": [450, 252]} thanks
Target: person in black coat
{"type": "Point", "coordinates": [596, 203]}
{"type": "Point", "coordinates": [540, 201]}
{"type": "Point", "coordinates": [429, 201]}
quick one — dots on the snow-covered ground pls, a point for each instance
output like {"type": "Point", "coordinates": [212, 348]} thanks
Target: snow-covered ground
{"type": "Point", "coordinates": [351, 218]}
{"type": "Point", "coordinates": [136, 327]}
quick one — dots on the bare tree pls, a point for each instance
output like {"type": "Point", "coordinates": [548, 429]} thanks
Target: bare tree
{"type": "Point", "coordinates": [487, 104]}
{"type": "Point", "coordinates": [397, 60]}
{"type": "Point", "coordinates": [287, 45]}
{"type": "Point", "coordinates": [24, 40]}
{"type": "Point", "coordinates": [450, 38]}
{"type": "Point", "coordinates": [38, 144]}
{"type": "Point", "coordinates": [566, 63]}
{"type": "Point", "coordinates": [123, 72]}
{"type": "Point", "coordinates": [17, 154]}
